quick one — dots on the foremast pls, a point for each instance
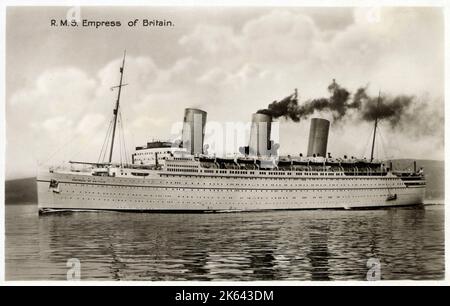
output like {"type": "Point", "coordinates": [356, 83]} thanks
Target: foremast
{"type": "Point", "coordinates": [116, 109]}
{"type": "Point", "coordinates": [375, 127]}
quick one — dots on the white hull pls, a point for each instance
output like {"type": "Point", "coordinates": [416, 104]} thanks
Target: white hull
{"type": "Point", "coordinates": [168, 192]}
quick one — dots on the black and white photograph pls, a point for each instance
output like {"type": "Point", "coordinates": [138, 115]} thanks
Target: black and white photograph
{"type": "Point", "coordinates": [220, 144]}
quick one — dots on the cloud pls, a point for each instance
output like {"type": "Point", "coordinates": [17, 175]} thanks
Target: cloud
{"type": "Point", "coordinates": [208, 40]}
{"type": "Point", "coordinates": [232, 72]}
{"type": "Point", "coordinates": [53, 124]}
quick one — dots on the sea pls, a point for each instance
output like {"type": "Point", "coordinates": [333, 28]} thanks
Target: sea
{"type": "Point", "coordinates": [318, 245]}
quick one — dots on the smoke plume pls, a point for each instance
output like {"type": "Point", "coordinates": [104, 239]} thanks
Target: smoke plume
{"type": "Point", "coordinates": [340, 101]}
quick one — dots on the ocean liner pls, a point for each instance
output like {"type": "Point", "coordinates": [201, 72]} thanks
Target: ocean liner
{"type": "Point", "coordinates": [175, 177]}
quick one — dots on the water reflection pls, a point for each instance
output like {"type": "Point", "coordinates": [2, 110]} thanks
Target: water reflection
{"type": "Point", "coordinates": [318, 254]}
{"type": "Point", "coordinates": [288, 245]}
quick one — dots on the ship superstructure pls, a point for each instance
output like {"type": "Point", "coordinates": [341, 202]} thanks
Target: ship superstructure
{"type": "Point", "coordinates": [155, 152]}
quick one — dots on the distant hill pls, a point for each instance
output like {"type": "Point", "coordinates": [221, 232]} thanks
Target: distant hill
{"type": "Point", "coordinates": [24, 190]}
{"type": "Point", "coordinates": [21, 191]}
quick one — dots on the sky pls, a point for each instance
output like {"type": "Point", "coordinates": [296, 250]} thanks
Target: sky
{"type": "Point", "coordinates": [229, 62]}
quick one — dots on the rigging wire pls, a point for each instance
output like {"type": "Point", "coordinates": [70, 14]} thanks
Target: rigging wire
{"type": "Point", "coordinates": [119, 142]}
{"type": "Point", "coordinates": [73, 139]}
{"type": "Point", "coordinates": [386, 157]}
{"type": "Point", "coordinates": [105, 142]}
{"type": "Point", "coordinates": [383, 147]}
{"type": "Point", "coordinates": [123, 152]}
{"type": "Point", "coordinates": [377, 144]}
{"type": "Point", "coordinates": [367, 145]}
{"type": "Point", "coordinates": [133, 143]}
{"type": "Point", "coordinates": [123, 138]}
{"type": "Point", "coordinates": [108, 135]}
{"type": "Point", "coordinates": [64, 145]}
{"type": "Point", "coordinates": [383, 144]}
{"type": "Point", "coordinates": [86, 109]}
{"type": "Point", "coordinates": [124, 157]}
{"type": "Point", "coordinates": [119, 139]}
{"type": "Point", "coordinates": [81, 147]}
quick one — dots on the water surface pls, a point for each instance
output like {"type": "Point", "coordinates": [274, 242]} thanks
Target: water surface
{"type": "Point", "coordinates": [276, 245]}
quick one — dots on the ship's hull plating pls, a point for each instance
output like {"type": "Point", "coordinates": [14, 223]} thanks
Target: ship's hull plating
{"type": "Point", "coordinates": [198, 194]}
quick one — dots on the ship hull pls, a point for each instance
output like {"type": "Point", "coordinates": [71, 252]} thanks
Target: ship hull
{"type": "Point", "coordinates": [191, 193]}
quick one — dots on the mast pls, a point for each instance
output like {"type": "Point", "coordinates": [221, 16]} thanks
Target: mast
{"type": "Point", "coordinates": [116, 109]}
{"type": "Point", "coordinates": [375, 127]}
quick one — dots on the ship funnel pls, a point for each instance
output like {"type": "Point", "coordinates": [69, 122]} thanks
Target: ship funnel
{"type": "Point", "coordinates": [193, 130]}
{"type": "Point", "coordinates": [259, 144]}
{"type": "Point", "coordinates": [318, 137]}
